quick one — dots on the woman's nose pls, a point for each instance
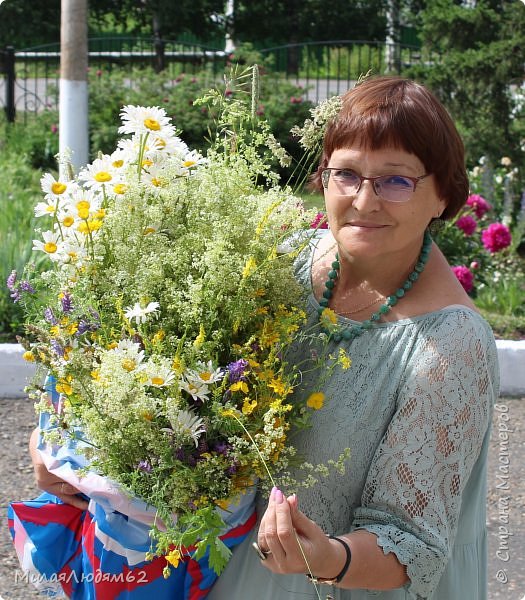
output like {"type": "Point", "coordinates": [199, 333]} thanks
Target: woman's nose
{"type": "Point", "coordinates": [366, 199]}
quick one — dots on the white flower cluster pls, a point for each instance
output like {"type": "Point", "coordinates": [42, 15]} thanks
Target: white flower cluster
{"type": "Point", "coordinates": [78, 207]}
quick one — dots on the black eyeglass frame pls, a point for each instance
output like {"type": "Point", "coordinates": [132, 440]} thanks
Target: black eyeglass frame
{"type": "Point", "coordinates": [325, 175]}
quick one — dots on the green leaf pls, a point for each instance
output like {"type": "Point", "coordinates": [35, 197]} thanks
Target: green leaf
{"type": "Point", "coordinates": [219, 555]}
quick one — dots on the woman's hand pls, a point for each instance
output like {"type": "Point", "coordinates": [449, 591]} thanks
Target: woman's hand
{"type": "Point", "coordinates": [295, 543]}
{"type": "Point", "coordinates": [48, 482]}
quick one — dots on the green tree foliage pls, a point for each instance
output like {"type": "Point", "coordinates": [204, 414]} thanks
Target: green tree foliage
{"type": "Point", "coordinates": [26, 23]}
{"type": "Point", "coordinates": [276, 22]}
{"type": "Point", "coordinates": [482, 52]}
{"type": "Point", "coordinates": [163, 18]}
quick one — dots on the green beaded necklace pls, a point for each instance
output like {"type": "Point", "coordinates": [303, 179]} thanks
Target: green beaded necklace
{"type": "Point", "coordinates": [352, 331]}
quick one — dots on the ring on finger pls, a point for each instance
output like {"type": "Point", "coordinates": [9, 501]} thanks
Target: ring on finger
{"type": "Point", "coordinates": [262, 554]}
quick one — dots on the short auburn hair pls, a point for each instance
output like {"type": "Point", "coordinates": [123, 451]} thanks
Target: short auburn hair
{"type": "Point", "coordinates": [384, 112]}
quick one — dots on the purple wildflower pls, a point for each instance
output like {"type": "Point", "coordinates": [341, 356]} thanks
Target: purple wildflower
{"type": "Point", "coordinates": [222, 448]}
{"type": "Point", "coordinates": [25, 286]}
{"type": "Point", "coordinates": [67, 303]}
{"type": "Point", "coordinates": [231, 470]}
{"type": "Point", "coordinates": [236, 370]}
{"type": "Point", "coordinates": [15, 295]}
{"type": "Point", "coordinates": [11, 280]}
{"type": "Point", "coordinates": [144, 466]}
{"type": "Point", "coordinates": [49, 316]}
{"type": "Point", "coordinates": [57, 348]}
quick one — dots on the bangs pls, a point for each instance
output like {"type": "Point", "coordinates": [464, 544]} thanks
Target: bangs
{"type": "Point", "coordinates": [391, 112]}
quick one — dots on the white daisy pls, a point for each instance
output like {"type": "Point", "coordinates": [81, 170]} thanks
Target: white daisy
{"type": "Point", "coordinates": [205, 374]}
{"type": "Point", "coordinates": [196, 389]}
{"type": "Point", "coordinates": [52, 186]}
{"type": "Point", "coordinates": [84, 203]}
{"type": "Point", "coordinates": [73, 249]}
{"type": "Point", "coordinates": [141, 314]}
{"type": "Point", "coordinates": [155, 177]}
{"type": "Point", "coordinates": [50, 245]}
{"type": "Point", "coordinates": [172, 146]}
{"type": "Point", "coordinates": [193, 159]}
{"type": "Point", "coordinates": [186, 424]}
{"type": "Point", "coordinates": [48, 208]}
{"type": "Point", "coordinates": [100, 173]}
{"type": "Point", "coordinates": [159, 375]}
{"type": "Point", "coordinates": [145, 119]}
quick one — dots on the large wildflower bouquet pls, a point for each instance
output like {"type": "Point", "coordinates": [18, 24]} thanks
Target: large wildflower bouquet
{"type": "Point", "coordinates": [166, 319]}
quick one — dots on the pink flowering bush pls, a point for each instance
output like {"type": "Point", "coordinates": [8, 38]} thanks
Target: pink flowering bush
{"type": "Point", "coordinates": [496, 237]}
{"type": "Point", "coordinates": [467, 224]}
{"type": "Point", "coordinates": [465, 277]}
{"type": "Point", "coordinates": [477, 238]}
{"type": "Point", "coordinates": [319, 221]}
{"type": "Point", "coordinates": [478, 204]}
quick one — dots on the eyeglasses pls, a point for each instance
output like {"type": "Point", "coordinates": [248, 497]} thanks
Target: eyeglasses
{"type": "Point", "coordinates": [392, 188]}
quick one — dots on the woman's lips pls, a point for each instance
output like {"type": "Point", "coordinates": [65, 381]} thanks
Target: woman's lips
{"type": "Point", "coordinates": [365, 225]}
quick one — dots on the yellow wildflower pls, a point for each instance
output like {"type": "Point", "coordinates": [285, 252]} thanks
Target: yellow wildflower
{"type": "Point", "coordinates": [329, 316]}
{"type": "Point", "coordinates": [29, 356]}
{"type": "Point", "coordinates": [64, 387]}
{"type": "Point", "coordinates": [72, 329]}
{"type": "Point", "coordinates": [174, 557]}
{"type": "Point", "coordinates": [279, 387]}
{"type": "Point", "coordinates": [343, 359]}
{"type": "Point", "coordinates": [95, 375]}
{"type": "Point", "coordinates": [159, 336]}
{"type": "Point", "coordinates": [199, 340]}
{"type": "Point", "coordinates": [249, 406]}
{"type": "Point", "coordinates": [177, 365]}
{"type": "Point", "coordinates": [315, 400]}
{"type": "Point", "coordinates": [249, 267]}
{"type": "Point", "coordinates": [229, 412]}
{"type": "Point", "coordinates": [239, 386]}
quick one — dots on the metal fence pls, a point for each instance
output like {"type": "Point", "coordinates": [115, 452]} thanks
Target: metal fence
{"type": "Point", "coordinates": [31, 76]}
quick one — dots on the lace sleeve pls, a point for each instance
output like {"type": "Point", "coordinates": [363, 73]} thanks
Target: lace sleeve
{"type": "Point", "coordinates": [412, 496]}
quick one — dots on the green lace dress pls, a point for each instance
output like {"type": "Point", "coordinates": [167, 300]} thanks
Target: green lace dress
{"type": "Point", "coordinates": [415, 409]}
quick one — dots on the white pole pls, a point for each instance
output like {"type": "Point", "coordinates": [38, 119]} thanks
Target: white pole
{"type": "Point", "coordinates": [73, 89]}
{"type": "Point", "coordinates": [229, 45]}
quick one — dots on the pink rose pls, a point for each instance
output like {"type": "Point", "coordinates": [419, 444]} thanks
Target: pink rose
{"type": "Point", "coordinates": [465, 277]}
{"type": "Point", "coordinates": [467, 224]}
{"type": "Point", "coordinates": [319, 222]}
{"type": "Point", "coordinates": [474, 265]}
{"type": "Point", "coordinates": [496, 237]}
{"type": "Point", "coordinates": [479, 204]}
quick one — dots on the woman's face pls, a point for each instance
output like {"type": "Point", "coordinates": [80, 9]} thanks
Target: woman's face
{"type": "Point", "coordinates": [365, 225]}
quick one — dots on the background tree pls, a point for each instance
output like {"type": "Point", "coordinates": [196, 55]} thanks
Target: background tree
{"type": "Point", "coordinates": [482, 49]}
{"type": "Point", "coordinates": [274, 22]}
{"type": "Point", "coordinates": [26, 23]}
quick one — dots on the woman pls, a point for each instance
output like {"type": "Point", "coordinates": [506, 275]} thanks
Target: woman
{"type": "Point", "coordinates": [407, 520]}
{"type": "Point", "coordinates": [415, 406]}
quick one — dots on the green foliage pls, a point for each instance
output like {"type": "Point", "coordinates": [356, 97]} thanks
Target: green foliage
{"type": "Point", "coordinates": [280, 103]}
{"type": "Point", "coordinates": [300, 20]}
{"type": "Point", "coordinates": [482, 51]}
{"type": "Point", "coordinates": [19, 192]}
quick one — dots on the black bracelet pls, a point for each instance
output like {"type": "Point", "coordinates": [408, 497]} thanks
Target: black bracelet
{"type": "Point", "coordinates": [338, 579]}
